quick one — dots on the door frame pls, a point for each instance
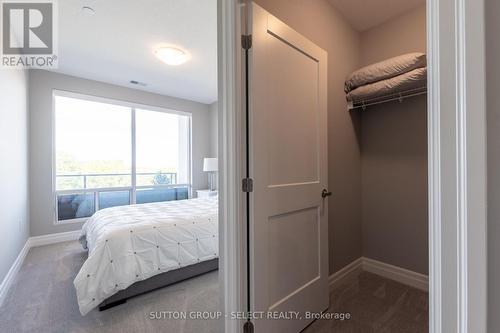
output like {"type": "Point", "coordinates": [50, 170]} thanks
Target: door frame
{"type": "Point", "coordinates": [456, 165]}
{"type": "Point", "coordinates": [231, 147]}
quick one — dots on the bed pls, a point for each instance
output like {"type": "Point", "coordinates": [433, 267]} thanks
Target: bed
{"type": "Point", "coordinates": [137, 248]}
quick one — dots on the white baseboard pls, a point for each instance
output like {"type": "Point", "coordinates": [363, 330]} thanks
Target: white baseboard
{"type": "Point", "coordinates": [32, 242]}
{"type": "Point", "coordinates": [402, 275]}
{"type": "Point", "coordinates": [11, 274]}
{"type": "Point", "coordinates": [405, 276]}
{"type": "Point", "coordinates": [344, 272]}
{"type": "Point", "coordinates": [53, 238]}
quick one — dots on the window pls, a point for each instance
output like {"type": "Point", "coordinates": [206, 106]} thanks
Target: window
{"type": "Point", "coordinates": [110, 153]}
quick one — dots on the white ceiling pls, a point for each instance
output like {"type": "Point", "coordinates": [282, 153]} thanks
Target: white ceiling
{"type": "Point", "coordinates": [366, 14]}
{"type": "Point", "coordinates": [115, 45]}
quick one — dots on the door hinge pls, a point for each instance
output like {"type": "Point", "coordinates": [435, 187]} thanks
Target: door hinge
{"type": "Point", "coordinates": [247, 184]}
{"type": "Point", "coordinates": [246, 42]}
{"type": "Point", "coordinates": [248, 327]}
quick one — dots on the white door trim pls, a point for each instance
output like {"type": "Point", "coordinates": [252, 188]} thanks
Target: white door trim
{"type": "Point", "coordinates": [457, 165]}
{"type": "Point", "coordinates": [232, 231]}
{"type": "Point", "coordinates": [472, 160]}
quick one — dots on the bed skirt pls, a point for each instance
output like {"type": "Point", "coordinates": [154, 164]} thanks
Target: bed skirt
{"type": "Point", "coordinates": [160, 281]}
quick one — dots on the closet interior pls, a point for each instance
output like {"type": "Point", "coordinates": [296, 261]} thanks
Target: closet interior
{"type": "Point", "coordinates": [388, 96]}
{"type": "Point", "coordinates": [377, 157]}
{"type": "Point", "coordinates": [386, 99]}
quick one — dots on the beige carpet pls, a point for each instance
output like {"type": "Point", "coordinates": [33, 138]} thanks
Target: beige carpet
{"type": "Point", "coordinates": [42, 299]}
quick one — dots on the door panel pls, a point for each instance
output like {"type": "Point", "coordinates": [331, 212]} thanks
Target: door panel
{"type": "Point", "coordinates": [288, 164]}
{"type": "Point", "coordinates": [295, 100]}
{"type": "Point", "coordinates": [293, 242]}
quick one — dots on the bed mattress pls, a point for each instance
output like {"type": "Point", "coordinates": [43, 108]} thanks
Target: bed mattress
{"type": "Point", "coordinates": [133, 243]}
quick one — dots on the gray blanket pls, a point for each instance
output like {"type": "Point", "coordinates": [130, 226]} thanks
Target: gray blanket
{"type": "Point", "coordinates": [413, 80]}
{"type": "Point", "coordinates": [385, 70]}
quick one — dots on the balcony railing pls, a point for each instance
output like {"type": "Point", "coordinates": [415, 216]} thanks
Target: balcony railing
{"type": "Point", "coordinates": [81, 199]}
{"type": "Point", "coordinates": [82, 181]}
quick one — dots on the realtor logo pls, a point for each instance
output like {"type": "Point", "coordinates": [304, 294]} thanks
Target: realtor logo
{"type": "Point", "coordinates": [28, 34]}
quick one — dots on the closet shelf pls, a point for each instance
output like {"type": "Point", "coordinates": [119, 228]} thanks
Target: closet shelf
{"type": "Point", "coordinates": [400, 96]}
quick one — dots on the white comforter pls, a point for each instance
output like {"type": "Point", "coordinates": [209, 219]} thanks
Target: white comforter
{"type": "Point", "coordinates": [131, 243]}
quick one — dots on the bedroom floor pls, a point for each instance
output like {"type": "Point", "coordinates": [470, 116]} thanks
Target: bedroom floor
{"type": "Point", "coordinates": [42, 299]}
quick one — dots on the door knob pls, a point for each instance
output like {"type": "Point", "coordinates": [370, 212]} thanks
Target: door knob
{"type": "Point", "coordinates": [325, 193]}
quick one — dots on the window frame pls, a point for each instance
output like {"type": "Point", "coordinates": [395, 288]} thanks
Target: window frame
{"type": "Point", "coordinates": [133, 187]}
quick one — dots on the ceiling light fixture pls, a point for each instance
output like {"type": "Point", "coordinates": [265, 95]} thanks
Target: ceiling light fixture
{"type": "Point", "coordinates": [171, 55]}
{"type": "Point", "coordinates": [88, 10]}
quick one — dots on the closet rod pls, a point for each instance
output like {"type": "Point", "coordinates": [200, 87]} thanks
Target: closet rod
{"type": "Point", "coordinates": [400, 97]}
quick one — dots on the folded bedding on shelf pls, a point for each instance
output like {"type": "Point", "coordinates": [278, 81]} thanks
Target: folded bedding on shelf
{"type": "Point", "coordinates": [385, 70]}
{"type": "Point", "coordinates": [412, 80]}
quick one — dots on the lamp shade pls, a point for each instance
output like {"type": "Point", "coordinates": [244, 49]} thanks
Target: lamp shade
{"type": "Point", "coordinates": [210, 164]}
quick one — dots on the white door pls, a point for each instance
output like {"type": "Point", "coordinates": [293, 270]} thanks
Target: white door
{"type": "Point", "coordinates": [288, 165]}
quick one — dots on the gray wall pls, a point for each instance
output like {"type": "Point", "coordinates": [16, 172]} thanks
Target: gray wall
{"type": "Point", "coordinates": [320, 22]}
{"type": "Point", "coordinates": [41, 84]}
{"type": "Point", "coordinates": [14, 216]}
{"type": "Point", "coordinates": [394, 156]}
{"type": "Point", "coordinates": [214, 123]}
{"type": "Point", "coordinates": [394, 184]}
{"type": "Point", "coordinates": [214, 135]}
{"type": "Point", "coordinates": [493, 155]}
{"type": "Point", "coordinates": [403, 34]}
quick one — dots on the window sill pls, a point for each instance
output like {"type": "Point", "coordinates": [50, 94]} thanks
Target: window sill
{"type": "Point", "coordinates": [72, 221]}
